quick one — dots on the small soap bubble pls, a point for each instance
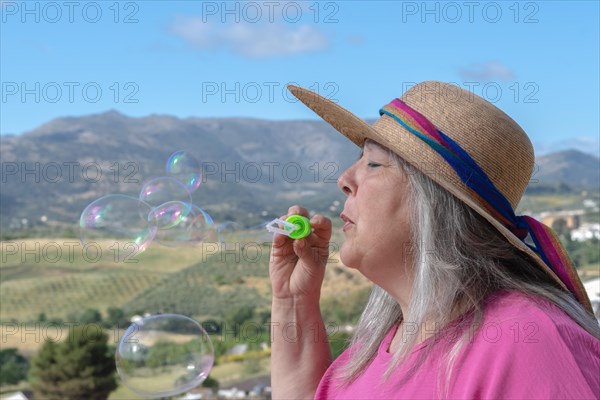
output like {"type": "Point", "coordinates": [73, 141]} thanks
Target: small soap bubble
{"type": "Point", "coordinates": [195, 227]}
{"type": "Point", "coordinates": [228, 231]}
{"type": "Point", "coordinates": [158, 191]}
{"type": "Point", "coordinates": [260, 234]}
{"type": "Point", "coordinates": [116, 225]}
{"type": "Point", "coordinates": [164, 355]}
{"type": "Point", "coordinates": [169, 214]}
{"type": "Point", "coordinates": [185, 168]}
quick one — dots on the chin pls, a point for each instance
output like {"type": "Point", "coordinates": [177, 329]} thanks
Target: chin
{"type": "Point", "coordinates": [348, 259]}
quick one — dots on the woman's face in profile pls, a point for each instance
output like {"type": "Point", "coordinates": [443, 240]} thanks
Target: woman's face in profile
{"type": "Point", "coordinates": [376, 214]}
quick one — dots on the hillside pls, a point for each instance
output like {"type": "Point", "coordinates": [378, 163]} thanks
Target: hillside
{"type": "Point", "coordinates": [128, 152]}
{"type": "Point", "coordinates": [250, 165]}
{"type": "Point", "coordinates": [254, 169]}
{"type": "Point", "coordinates": [195, 281]}
{"type": "Point", "coordinates": [571, 167]}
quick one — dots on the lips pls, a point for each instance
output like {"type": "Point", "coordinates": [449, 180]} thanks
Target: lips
{"type": "Point", "coordinates": [347, 221]}
{"type": "Point", "coordinates": [345, 218]}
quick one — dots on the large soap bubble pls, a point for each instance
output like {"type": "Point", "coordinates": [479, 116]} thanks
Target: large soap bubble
{"type": "Point", "coordinates": [163, 212]}
{"type": "Point", "coordinates": [185, 168]}
{"type": "Point", "coordinates": [118, 225]}
{"type": "Point", "coordinates": [195, 227]}
{"type": "Point", "coordinates": [164, 355]}
{"type": "Point", "coordinates": [160, 190]}
{"type": "Point", "coordinates": [169, 214]}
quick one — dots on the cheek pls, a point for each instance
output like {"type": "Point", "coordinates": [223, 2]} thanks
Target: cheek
{"type": "Point", "coordinates": [388, 219]}
{"type": "Point", "coordinates": [392, 236]}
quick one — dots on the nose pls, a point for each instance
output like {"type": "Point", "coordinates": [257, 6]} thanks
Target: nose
{"type": "Point", "coordinates": [346, 183]}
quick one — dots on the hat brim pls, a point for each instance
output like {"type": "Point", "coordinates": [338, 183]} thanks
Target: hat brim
{"type": "Point", "coordinates": [358, 130]}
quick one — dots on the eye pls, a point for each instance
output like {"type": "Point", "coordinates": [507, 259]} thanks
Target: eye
{"type": "Point", "coordinates": [372, 164]}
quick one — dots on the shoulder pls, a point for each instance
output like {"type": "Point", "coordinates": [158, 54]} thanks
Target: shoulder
{"type": "Point", "coordinates": [530, 348]}
{"type": "Point", "coordinates": [521, 318]}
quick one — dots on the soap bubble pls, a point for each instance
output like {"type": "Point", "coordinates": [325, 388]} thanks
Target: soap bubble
{"type": "Point", "coordinates": [116, 224]}
{"type": "Point", "coordinates": [185, 168]}
{"type": "Point", "coordinates": [195, 227]}
{"type": "Point", "coordinates": [228, 231]}
{"type": "Point", "coordinates": [163, 211]}
{"type": "Point", "coordinates": [260, 234]}
{"type": "Point", "coordinates": [169, 214]}
{"type": "Point", "coordinates": [164, 355]}
{"type": "Point", "coordinates": [158, 191]}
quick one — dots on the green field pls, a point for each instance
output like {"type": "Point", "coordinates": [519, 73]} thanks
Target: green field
{"type": "Point", "coordinates": [226, 374]}
{"type": "Point", "coordinates": [202, 282]}
{"type": "Point", "coordinates": [589, 272]}
{"type": "Point", "coordinates": [558, 202]}
{"type": "Point", "coordinates": [33, 282]}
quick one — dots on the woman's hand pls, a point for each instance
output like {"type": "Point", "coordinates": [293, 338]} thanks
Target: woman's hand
{"type": "Point", "coordinates": [297, 267]}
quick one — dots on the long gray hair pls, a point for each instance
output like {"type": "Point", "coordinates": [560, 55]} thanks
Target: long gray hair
{"type": "Point", "coordinates": [459, 260]}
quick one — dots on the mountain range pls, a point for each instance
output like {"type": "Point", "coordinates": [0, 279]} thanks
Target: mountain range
{"type": "Point", "coordinates": [253, 169]}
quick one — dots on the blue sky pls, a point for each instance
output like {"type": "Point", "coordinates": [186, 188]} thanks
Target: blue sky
{"type": "Point", "coordinates": [538, 61]}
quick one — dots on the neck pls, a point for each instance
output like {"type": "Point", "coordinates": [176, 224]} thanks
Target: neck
{"type": "Point", "coordinates": [408, 330]}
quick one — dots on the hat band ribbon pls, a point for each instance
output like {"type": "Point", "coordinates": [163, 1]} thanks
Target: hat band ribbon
{"type": "Point", "coordinates": [545, 242]}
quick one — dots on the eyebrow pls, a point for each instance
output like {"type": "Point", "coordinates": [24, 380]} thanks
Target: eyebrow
{"type": "Point", "coordinates": [367, 143]}
{"type": "Point", "coordinates": [374, 145]}
{"type": "Point", "coordinates": [371, 145]}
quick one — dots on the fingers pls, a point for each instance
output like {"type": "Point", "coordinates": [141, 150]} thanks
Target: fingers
{"type": "Point", "coordinates": [321, 226]}
{"type": "Point", "coordinates": [321, 230]}
{"type": "Point", "coordinates": [296, 209]}
{"type": "Point", "coordinates": [281, 240]}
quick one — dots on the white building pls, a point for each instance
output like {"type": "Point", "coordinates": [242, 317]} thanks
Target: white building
{"type": "Point", "coordinates": [586, 232]}
{"type": "Point", "coordinates": [14, 396]}
{"type": "Point", "coordinates": [593, 291]}
{"type": "Point", "coordinates": [233, 393]}
{"type": "Point", "coordinates": [589, 203]}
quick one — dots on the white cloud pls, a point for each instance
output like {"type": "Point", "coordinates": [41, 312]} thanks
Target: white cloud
{"type": "Point", "coordinates": [492, 70]}
{"type": "Point", "coordinates": [196, 33]}
{"type": "Point", "coordinates": [248, 39]}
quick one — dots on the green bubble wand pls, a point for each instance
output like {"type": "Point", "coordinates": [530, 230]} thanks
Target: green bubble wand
{"type": "Point", "coordinates": [294, 226]}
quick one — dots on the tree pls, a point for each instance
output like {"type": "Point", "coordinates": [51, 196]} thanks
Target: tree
{"type": "Point", "coordinates": [211, 327]}
{"type": "Point", "coordinates": [265, 316]}
{"type": "Point", "coordinates": [238, 316]}
{"type": "Point", "coordinates": [81, 367]}
{"type": "Point", "coordinates": [116, 318]}
{"type": "Point", "coordinates": [560, 227]}
{"type": "Point", "coordinates": [211, 383]}
{"type": "Point", "coordinates": [13, 367]}
{"type": "Point", "coordinates": [90, 316]}
{"type": "Point", "coordinates": [43, 376]}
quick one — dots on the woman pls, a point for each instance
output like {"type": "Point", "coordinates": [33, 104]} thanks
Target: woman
{"type": "Point", "coordinates": [469, 300]}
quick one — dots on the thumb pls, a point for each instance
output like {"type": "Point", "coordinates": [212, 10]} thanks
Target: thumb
{"type": "Point", "coordinates": [299, 247]}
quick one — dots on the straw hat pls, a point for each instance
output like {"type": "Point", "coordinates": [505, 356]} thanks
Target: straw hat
{"type": "Point", "coordinates": [497, 145]}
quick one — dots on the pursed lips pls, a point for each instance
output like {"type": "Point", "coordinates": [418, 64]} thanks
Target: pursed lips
{"type": "Point", "coordinates": [347, 221]}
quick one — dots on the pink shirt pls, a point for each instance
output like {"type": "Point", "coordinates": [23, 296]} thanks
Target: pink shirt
{"type": "Point", "coordinates": [524, 350]}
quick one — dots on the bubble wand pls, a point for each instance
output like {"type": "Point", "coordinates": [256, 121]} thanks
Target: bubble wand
{"type": "Point", "coordinates": [294, 226]}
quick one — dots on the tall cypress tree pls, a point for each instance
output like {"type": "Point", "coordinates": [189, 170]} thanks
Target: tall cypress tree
{"type": "Point", "coordinates": [13, 367]}
{"type": "Point", "coordinates": [81, 367]}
